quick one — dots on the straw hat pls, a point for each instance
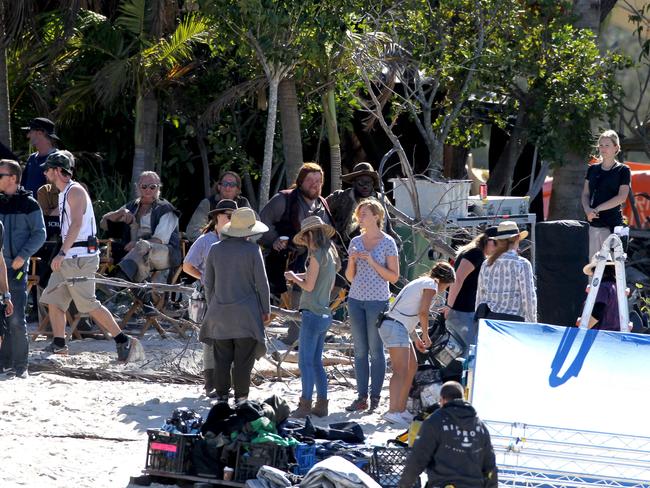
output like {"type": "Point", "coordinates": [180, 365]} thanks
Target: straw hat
{"type": "Point", "coordinates": [589, 269]}
{"type": "Point", "coordinates": [361, 169]}
{"type": "Point", "coordinates": [223, 206]}
{"type": "Point", "coordinates": [312, 223]}
{"type": "Point", "coordinates": [243, 224]}
{"type": "Point", "coordinates": [508, 229]}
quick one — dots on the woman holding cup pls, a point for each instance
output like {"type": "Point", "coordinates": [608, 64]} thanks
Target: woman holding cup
{"type": "Point", "coordinates": [372, 265]}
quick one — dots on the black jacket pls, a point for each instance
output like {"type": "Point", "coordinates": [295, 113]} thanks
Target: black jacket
{"type": "Point", "coordinates": [455, 448]}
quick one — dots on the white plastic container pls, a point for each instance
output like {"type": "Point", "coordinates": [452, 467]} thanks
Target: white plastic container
{"type": "Point", "coordinates": [437, 199]}
{"type": "Point", "coordinates": [496, 205]}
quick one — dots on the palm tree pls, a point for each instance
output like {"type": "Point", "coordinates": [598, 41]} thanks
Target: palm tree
{"type": "Point", "coordinates": [142, 52]}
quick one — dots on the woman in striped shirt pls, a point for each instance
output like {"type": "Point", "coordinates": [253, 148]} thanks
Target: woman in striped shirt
{"type": "Point", "coordinates": [506, 283]}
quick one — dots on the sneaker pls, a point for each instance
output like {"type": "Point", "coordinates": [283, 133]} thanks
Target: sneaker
{"type": "Point", "coordinates": [54, 349]}
{"type": "Point", "coordinates": [359, 405]}
{"type": "Point", "coordinates": [407, 416]}
{"type": "Point", "coordinates": [395, 418]}
{"type": "Point", "coordinates": [130, 350]}
{"type": "Point", "coordinates": [374, 403]}
{"type": "Point", "coordinates": [23, 375]}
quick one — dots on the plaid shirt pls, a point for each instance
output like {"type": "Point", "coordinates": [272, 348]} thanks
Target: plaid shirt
{"type": "Point", "coordinates": [508, 286]}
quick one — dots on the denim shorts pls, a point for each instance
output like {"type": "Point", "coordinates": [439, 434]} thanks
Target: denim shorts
{"type": "Point", "coordinates": [394, 334]}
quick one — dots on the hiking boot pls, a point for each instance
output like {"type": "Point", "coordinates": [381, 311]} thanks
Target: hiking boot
{"type": "Point", "coordinates": [359, 405]}
{"type": "Point", "coordinates": [129, 350]}
{"type": "Point", "coordinates": [320, 409]}
{"type": "Point", "coordinates": [52, 348]}
{"type": "Point", "coordinates": [374, 403]}
{"type": "Point", "coordinates": [22, 374]}
{"type": "Point", "coordinates": [304, 409]}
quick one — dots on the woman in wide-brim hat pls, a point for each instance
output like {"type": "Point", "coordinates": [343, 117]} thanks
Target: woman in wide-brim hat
{"type": "Point", "coordinates": [194, 265]}
{"type": "Point", "coordinates": [316, 284]}
{"type": "Point", "coordinates": [238, 297]}
{"type": "Point", "coordinates": [506, 283]}
{"type": "Point", "coordinates": [361, 169]}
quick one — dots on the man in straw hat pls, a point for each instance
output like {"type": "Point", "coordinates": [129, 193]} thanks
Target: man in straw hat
{"type": "Point", "coordinates": [365, 183]}
{"type": "Point", "coordinates": [42, 136]}
{"type": "Point", "coordinates": [238, 307]}
{"type": "Point", "coordinates": [283, 215]}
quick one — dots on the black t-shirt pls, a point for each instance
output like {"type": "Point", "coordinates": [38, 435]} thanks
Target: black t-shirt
{"type": "Point", "coordinates": [466, 298]}
{"type": "Point", "coordinates": [604, 185]}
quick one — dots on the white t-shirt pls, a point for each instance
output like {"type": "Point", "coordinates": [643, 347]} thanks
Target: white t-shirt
{"type": "Point", "coordinates": [407, 304]}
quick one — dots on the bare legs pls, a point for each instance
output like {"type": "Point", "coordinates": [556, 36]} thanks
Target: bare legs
{"type": "Point", "coordinates": [404, 364]}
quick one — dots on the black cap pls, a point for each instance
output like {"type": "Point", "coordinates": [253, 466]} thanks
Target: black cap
{"type": "Point", "coordinates": [46, 125]}
{"type": "Point", "coordinates": [223, 205]}
{"type": "Point", "coordinates": [58, 159]}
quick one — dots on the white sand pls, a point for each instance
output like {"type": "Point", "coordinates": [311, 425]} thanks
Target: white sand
{"type": "Point", "coordinates": [57, 431]}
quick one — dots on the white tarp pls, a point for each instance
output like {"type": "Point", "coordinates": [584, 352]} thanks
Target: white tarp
{"type": "Point", "coordinates": [562, 377]}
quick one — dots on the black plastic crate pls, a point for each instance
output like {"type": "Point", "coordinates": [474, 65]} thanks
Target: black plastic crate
{"type": "Point", "coordinates": [251, 457]}
{"type": "Point", "coordinates": [388, 464]}
{"type": "Point", "coordinates": [170, 453]}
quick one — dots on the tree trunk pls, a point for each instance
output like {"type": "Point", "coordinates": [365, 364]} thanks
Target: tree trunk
{"type": "Point", "coordinates": [501, 177]}
{"type": "Point", "coordinates": [290, 123]}
{"type": "Point", "coordinates": [568, 181]}
{"type": "Point", "coordinates": [267, 164]}
{"type": "Point", "coordinates": [329, 112]}
{"type": "Point", "coordinates": [205, 164]}
{"type": "Point", "coordinates": [146, 131]}
{"type": "Point", "coordinates": [5, 112]}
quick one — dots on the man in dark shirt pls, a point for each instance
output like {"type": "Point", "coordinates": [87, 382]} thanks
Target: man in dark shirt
{"type": "Point", "coordinates": [42, 136]}
{"type": "Point", "coordinates": [453, 445]}
{"type": "Point", "coordinates": [283, 215]}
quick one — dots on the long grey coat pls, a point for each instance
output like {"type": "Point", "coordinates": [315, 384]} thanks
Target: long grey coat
{"type": "Point", "coordinates": [237, 292]}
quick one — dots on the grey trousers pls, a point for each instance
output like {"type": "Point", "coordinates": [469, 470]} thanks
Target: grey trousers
{"type": "Point", "coordinates": [234, 360]}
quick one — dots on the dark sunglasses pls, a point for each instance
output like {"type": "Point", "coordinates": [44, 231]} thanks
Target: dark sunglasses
{"type": "Point", "coordinates": [151, 187]}
{"type": "Point", "coordinates": [2, 175]}
{"type": "Point", "coordinates": [229, 184]}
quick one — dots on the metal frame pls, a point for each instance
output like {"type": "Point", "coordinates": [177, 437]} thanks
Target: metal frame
{"type": "Point", "coordinates": [611, 250]}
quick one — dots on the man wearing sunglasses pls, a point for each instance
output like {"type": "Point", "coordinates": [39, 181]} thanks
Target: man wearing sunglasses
{"type": "Point", "coordinates": [24, 235]}
{"type": "Point", "coordinates": [77, 258]}
{"type": "Point", "coordinates": [149, 227]}
{"type": "Point", "coordinates": [227, 188]}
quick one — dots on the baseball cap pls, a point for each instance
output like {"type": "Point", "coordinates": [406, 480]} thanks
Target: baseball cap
{"type": "Point", "coordinates": [58, 159]}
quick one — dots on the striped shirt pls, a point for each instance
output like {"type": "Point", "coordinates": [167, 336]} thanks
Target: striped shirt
{"type": "Point", "coordinates": [508, 286]}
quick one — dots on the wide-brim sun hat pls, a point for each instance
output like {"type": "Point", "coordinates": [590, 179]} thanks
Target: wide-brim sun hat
{"type": "Point", "coordinates": [223, 206]}
{"type": "Point", "coordinates": [508, 229]}
{"type": "Point", "coordinates": [312, 223]}
{"type": "Point", "coordinates": [589, 269]}
{"type": "Point", "coordinates": [361, 169]}
{"type": "Point", "coordinates": [243, 224]}
{"type": "Point", "coordinates": [41, 123]}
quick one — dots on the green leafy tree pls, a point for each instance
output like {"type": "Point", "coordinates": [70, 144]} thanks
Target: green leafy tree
{"type": "Point", "coordinates": [141, 53]}
{"type": "Point", "coordinates": [549, 76]}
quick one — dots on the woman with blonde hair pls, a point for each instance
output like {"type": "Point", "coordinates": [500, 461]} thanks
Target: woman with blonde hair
{"type": "Point", "coordinates": [606, 188]}
{"type": "Point", "coordinates": [410, 308]}
{"type": "Point", "coordinates": [506, 287]}
{"type": "Point", "coordinates": [316, 284]}
{"type": "Point", "coordinates": [373, 264]}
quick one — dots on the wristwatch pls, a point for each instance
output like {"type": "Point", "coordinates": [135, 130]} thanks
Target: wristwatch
{"type": "Point", "coordinates": [6, 296]}
{"type": "Point", "coordinates": [61, 253]}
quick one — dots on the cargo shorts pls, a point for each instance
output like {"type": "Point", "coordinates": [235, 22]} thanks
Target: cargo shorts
{"type": "Point", "coordinates": [82, 292]}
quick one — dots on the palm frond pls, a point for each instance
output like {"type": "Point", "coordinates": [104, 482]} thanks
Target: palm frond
{"type": "Point", "coordinates": [177, 49]}
{"type": "Point", "coordinates": [133, 17]}
{"type": "Point", "coordinates": [113, 79]}
{"type": "Point", "coordinates": [232, 94]}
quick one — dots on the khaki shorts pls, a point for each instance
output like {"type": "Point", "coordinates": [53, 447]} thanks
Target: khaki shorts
{"type": "Point", "coordinates": [83, 292]}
